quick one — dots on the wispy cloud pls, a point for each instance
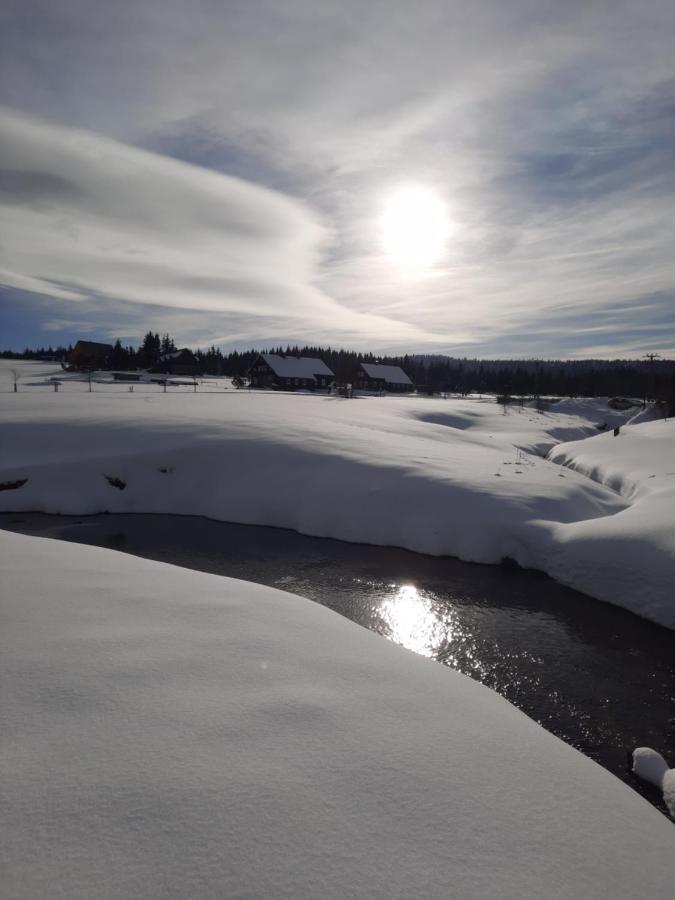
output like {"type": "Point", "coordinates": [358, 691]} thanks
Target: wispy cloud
{"type": "Point", "coordinates": [96, 215]}
{"type": "Point", "coordinates": [546, 127]}
{"type": "Point", "coordinates": [86, 217]}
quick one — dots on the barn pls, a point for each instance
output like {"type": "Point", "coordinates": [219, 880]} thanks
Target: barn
{"type": "Point", "coordinates": [289, 372]}
{"type": "Point", "coordinates": [376, 377]}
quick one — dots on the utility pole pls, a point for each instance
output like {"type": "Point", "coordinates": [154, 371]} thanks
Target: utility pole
{"type": "Point", "coordinates": [652, 357]}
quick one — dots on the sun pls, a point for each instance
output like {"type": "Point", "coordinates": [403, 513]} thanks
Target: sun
{"type": "Point", "coordinates": [414, 227]}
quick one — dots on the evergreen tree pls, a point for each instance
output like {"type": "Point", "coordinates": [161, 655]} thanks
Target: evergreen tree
{"type": "Point", "coordinates": [118, 356]}
{"type": "Point", "coordinates": [167, 345]}
{"type": "Point", "coordinates": [150, 350]}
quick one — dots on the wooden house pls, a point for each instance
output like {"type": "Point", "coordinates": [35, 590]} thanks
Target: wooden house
{"type": "Point", "coordinates": [89, 355]}
{"type": "Point", "coordinates": [177, 362]}
{"type": "Point", "coordinates": [290, 372]}
{"type": "Point", "coordinates": [376, 377]}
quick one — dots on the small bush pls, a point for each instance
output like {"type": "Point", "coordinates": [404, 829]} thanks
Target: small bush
{"type": "Point", "coordinates": [12, 485]}
{"type": "Point", "coordinates": [115, 482]}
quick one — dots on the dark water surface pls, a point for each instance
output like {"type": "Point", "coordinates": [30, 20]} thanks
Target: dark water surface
{"type": "Point", "coordinates": [600, 678]}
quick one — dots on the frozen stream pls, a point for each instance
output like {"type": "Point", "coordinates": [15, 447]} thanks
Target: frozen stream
{"type": "Point", "coordinates": [600, 678]}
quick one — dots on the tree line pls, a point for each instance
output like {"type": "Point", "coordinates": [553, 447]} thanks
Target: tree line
{"type": "Point", "coordinates": [654, 378]}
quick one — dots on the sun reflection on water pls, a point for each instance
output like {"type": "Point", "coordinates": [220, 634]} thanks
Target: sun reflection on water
{"type": "Point", "coordinates": [414, 623]}
{"type": "Point", "coordinates": [428, 625]}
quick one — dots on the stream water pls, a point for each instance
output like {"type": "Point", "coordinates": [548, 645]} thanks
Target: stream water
{"type": "Point", "coordinates": [600, 678]}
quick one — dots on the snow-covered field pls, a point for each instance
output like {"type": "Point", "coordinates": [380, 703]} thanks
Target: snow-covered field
{"type": "Point", "coordinates": [459, 477]}
{"type": "Point", "coordinates": [168, 733]}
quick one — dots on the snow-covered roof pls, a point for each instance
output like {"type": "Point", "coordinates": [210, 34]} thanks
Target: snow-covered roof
{"type": "Point", "coordinates": [391, 374]}
{"type": "Point", "coordinates": [175, 354]}
{"type": "Point", "coordinates": [296, 366]}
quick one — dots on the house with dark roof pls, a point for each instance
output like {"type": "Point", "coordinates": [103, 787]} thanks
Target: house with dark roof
{"type": "Point", "coordinates": [177, 362]}
{"type": "Point", "coordinates": [376, 377]}
{"type": "Point", "coordinates": [89, 355]}
{"type": "Point", "coordinates": [289, 372]}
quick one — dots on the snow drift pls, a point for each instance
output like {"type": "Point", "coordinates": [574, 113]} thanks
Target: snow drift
{"type": "Point", "coordinates": [632, 552]}
{"type": "Point", "coordinates": [169, 733]}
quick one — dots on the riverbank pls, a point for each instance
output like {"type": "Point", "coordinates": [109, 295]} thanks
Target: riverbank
{"type": "Point", "coordinates": [461, 477]}
{"type": "Point", "coordinates": [170, 732]}
{"type": "Point", "coordinates": [594, 675]}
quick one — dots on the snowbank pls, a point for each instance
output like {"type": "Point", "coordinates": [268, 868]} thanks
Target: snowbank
{"type": "Point", "coordinates": [169, 733]}
{"type": "Point", "coordinates": [456, 477]}
{"type": "Point", "coordinates": [632, 552]}
{"type": "Point", "coordinates": [638, 463]}
{"type": "Point", "coordinates": [652, 767]}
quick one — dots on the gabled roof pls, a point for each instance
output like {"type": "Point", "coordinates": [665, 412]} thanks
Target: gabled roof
{"type": "Point", "coordinates": [390, 374]}
{"type": "Point", "coordinates": [93, 347]}
{"type": "Point", "coordinates": [296, 366]}
{"type": "Point", "coordinates": [175, 354]}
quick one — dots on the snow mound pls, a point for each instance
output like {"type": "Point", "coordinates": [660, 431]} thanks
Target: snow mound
{"type": "Point", "coordinates": [632, 552]}
{"type": "Point", "coordinates": [174, 734]}
{"type": "Point", "coordinates": [652, 767]}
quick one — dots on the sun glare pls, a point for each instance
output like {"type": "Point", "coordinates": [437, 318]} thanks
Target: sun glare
{"type": "Point", "coordinates": [414, 227]}
{"type": "Point", "coordinates": [412, 621]}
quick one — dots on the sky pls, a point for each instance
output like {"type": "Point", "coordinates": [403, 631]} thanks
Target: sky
{"type": "Point", "coordinates": [222, 170]}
